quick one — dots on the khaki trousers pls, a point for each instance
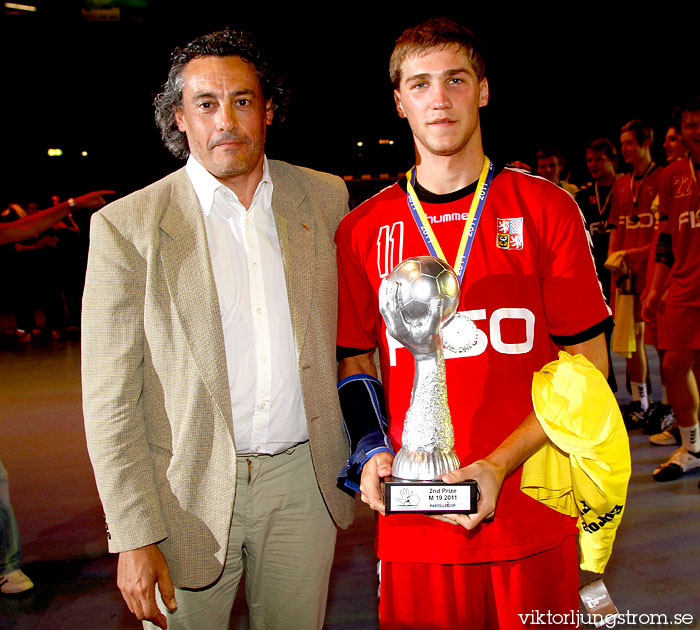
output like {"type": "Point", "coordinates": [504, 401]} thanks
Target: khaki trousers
{"type": "Point", "coordinates": [282, 537]}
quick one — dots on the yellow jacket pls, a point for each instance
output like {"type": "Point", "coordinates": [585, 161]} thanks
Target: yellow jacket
{"type": "Point", "coordinates": [585, 468]}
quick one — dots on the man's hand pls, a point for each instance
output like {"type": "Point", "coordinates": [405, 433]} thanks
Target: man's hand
{"type": "Point", "coordinates": [374, 470]}
{"type": "Point", "coordinates": [616, 262]}
{"type": "Point", "coordinates": [650, 306]}
{"type": "Point", "coordinates": [490, 478]}
{"type": "Point", "coordinates": [138, 572]}
{"type": "Point", "coordinates": [93, 199]}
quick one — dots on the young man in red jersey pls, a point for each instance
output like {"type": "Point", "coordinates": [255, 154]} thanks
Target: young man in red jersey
{"type": "Point", "coordinates": [660, 422]}
{"type": "Point", "coordinates": [530, 287]}
{"type": "Point", "coordinates": [673, 300]}
{"type": "Point", "coordinates": [633, 222]}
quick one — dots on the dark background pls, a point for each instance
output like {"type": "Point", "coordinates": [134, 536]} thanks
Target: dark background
{"type": "Point", "coordinates": [558, 76]}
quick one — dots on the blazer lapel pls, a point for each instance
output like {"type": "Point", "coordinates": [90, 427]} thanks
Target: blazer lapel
{"type": "Point", "coordinates": [187, 267]}
{"type": "Point", "coordinates": [294, 220]}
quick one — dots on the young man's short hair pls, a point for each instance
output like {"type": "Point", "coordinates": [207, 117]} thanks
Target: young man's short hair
{"type": "Point", "coordinates": [603, 145]}
{"type": "Point", "coordinates": [435, 33]}
{"type": "Point", "coordinates": [548, 152]}
{"type": "Point", "coordinates": [641, 130]}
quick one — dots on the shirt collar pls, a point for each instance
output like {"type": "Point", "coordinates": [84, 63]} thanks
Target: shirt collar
{"type": "Point", "coordinates": [205, 185]}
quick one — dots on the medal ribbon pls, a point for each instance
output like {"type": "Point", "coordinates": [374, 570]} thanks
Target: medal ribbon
{"type": "Point", "coordinates": [470, 225]}
{"type": "Point", "coordinates": [635, 198]}
{"type": "Point", "coordinates": [597, 199]}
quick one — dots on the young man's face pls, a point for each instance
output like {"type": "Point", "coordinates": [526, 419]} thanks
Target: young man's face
{"type": "Point", "coordinates": [440, 95]}
{"type": "Point", "coordinates": [549, 168]}
{"type": "Point", "coordinates": [632, 151]}
{"type": "Point", "coordinates": [673, 145]}
{"type": "Point", "coordinates": [224, 115]}
{"type": "Point", "coordinates": [690, 130]}
{"type": "Point", "coordinates": [599, 165]}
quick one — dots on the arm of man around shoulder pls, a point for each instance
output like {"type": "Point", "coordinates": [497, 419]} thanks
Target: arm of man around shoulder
{"type": "Point", "coordinates": [489, 472]}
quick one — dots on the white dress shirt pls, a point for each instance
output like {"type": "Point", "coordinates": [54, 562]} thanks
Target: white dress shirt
{"type": "Point", "coordinates": [263, 373]}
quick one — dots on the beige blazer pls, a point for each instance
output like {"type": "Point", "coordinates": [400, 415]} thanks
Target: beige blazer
{"type": "Point", "coordinates": [156, 398]}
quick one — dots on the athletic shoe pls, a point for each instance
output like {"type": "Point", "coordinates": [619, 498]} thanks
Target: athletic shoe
{"type": "Point", "coordinates": [15, 582]}
{"type": "Point", "coordinates": [633, 415]}
{"type": "Point", "coordinates": [660, 417]}
{"type": "Point", "coordinates": [667, 437]}
{"type": "Point", "coordinates": [680, 462]}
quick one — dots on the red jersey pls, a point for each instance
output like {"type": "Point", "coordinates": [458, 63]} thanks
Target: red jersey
{"type": "Point", "coordinates": [678, 199]}
{"type": "Point", "coordinates": [634, 219]}
{"type": "Point", "coordinates": [529, 284]}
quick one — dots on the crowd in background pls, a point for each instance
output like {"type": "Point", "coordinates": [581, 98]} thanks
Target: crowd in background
{"type": "Point", "coordinates": [643, 237]}
{"type": "Point", "coordinates": [44, 274]}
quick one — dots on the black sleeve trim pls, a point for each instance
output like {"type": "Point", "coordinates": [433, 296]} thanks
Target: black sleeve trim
{"type": "Point", "coordinates": [664, 250]}
{"type": "Point", "coordinates": [341, 352]}
{"type": "Point", "coordinates": [585, 335]}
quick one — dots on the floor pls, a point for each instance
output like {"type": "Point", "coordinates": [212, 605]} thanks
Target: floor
{"type": "Point", "coordinates": [655, 568]}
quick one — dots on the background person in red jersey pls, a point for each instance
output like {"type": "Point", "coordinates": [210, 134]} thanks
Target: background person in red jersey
{"type": "Point", "coordinates": [673, 300]}
{"type": "Point", "coordinates": [633, 222]}
{"type": "Point", "coordinates": [660, 422]}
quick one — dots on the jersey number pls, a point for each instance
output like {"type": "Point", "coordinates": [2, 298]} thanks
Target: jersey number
{"type": "Point", "coordinates": [682, 187]}
{"type": "Point", "coordinates": [482, 341]}
{"type": "Point", "coordinates": [389, 248]}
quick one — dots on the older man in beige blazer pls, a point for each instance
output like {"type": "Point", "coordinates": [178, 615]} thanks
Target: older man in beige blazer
{"type": "Point", "coordinates": [183, 508]}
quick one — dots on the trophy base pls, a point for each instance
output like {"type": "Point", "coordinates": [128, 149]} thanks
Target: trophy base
{"type": "Point", "coordinates": [404, 496]}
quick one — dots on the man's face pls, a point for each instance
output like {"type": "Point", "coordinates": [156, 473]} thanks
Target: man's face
{"type": "Point", "coordinates": [673, 145]}
{"type": "Point", "coordinates": [549, 168]}
{"type": "Point", "coordinates": [440, 95]}
{"type": "Point", "coordinates": [599, 165]}
{"type": "Point", "coordinates": [632, 151]}
{"type": "Point", "coordinates": [224, 116]}
{"type": "Point", "coordinates": [690, 131]}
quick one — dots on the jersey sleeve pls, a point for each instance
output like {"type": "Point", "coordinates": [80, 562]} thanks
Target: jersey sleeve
{"type": "Point", "coordinates": [358, 307]}
{"type": "Point", "coordinates": [573, 298]}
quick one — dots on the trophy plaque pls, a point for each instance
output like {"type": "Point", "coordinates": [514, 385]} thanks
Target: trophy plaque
{"type": "Point", "coordinates": [417, 299]}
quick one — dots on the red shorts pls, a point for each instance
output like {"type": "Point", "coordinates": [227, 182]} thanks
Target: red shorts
{"type": "Point", "coordinates": [505, 595]}
{"type": "Point", "coordinates": [678, 327]}
{"type": "Point", "coordinates": [650, 335]}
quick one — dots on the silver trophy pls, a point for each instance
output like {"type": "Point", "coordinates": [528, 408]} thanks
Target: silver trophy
{"type": "Point", "coordinates": [417, 299]}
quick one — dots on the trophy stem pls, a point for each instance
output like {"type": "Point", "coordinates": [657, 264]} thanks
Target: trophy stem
{"type": "Point", "coordinates": [428, 437]}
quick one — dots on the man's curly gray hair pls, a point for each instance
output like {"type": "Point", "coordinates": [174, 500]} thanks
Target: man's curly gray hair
{"type": "Point", "coordinates": [226, 43]}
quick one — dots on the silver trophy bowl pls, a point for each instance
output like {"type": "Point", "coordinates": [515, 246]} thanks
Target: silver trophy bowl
{"type": "Point", "coordinates": [416, 300]}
